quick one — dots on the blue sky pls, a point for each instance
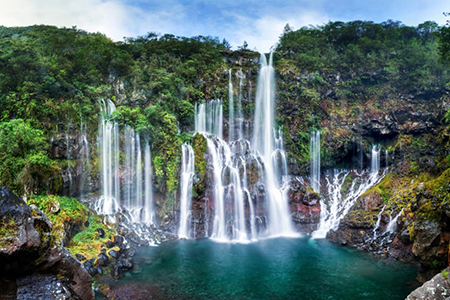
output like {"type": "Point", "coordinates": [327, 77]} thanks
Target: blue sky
{"type": "Point", "coordinates": [260, 23]}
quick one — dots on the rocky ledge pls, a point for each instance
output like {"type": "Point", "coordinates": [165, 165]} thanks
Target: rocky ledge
{"type": "Point", "coordinates": [31, 265]}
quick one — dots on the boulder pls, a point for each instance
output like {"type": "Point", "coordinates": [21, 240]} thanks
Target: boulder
{"type": "Point", "coordinates": [31, 266]}
{"type": "Point", "coordinates": [437, 288]}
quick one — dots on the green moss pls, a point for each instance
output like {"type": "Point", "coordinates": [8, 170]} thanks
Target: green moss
{"type": "Point", "coordinates": [87, 242]}
{"type": "Point", "coordinates": [8, 230]}
{"type": "Point", "coordinates": [62, 212]}
{"type": "Point", "coordinates": [200, 149]}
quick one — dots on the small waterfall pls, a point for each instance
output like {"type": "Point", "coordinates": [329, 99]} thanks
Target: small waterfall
{"type": "Point", "coordinates": [85, 175]}
{"type": "Point", "coordinates": [230, 109]}
{"type": "Point", "coordinates": [138, 204]}
{"type": "Point", "coordinates": [377, 224]}
{"type": "Point", "coordinates": [68, 155]}
{"type": "Point", "coordinates": [314, 158]}
{"type": "Point", "coordinates": [386, 153]}
{"type": "Point", "coordinates": [209, 118]}
{"type": "Point", "coordinates": [392, 226]}
{"type": "Point", "coordinates": [109, 154]}
{"type": "Point", "coordinates": [240, 115]}
{"type": "Point", "coordinates": [375, 162]}
{"type": "Point", "coordinates": [149, 214]}
{"type": "Point", "coordinates": [336, 205]}
{"type": "Point", "coordinates": [187, 179]}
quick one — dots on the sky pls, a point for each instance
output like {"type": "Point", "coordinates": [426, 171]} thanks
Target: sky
{"type": "Point", "coordinates": [258, 22]}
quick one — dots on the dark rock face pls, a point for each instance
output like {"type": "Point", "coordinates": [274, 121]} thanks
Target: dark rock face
{"type": "Point", "coordinates": [30, 266]}
{"type": "Point", "coordinates": [437, 288]}
{"type": "Point", "coordinates": [305, 207]}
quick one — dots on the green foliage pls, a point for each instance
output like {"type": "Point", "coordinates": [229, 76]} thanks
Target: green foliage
{"type": "Point", "coordinates": [24, 164]}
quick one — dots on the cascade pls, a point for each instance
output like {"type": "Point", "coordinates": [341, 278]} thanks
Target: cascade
{"type": "Point", "coordinates": [276, 186]}
{"type": "Point", "coordinates": [236, 215]}
{"type": "Point", "coordinates": [84, 182]}
{"type": "Point", "coordinates": [230, 109]}
{"type": "Point", "coordinates": [109, 154]}
{"type": "Point", "coordinates": [386, 158]}
{"type": "Point", "coordinates": [314, 158]}
{"type": "Point", "coordinates": [138, 198]}
{"type": "Point", "coordinates": [187, 179]}
{"type": "Point", "coordinates": [68, 155]}
{"type": "Point", "coordinates": [378, 223]}
{"type": "Point", "coordinates": [240, 115]}
{"type": "Point", "coordinates": [134, 193]}
{"type": "Point", "coordinates": [375, 162]}
{"type": "Point", "coordinates": [149, 214]}
{"type": "Point", "coordinates": [393, 223]}
{"type": "Point", "coordinates": [337, 203]}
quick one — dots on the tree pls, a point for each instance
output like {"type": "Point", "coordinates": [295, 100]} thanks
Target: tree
{"type": "Point", "coordinates": [24, 164]}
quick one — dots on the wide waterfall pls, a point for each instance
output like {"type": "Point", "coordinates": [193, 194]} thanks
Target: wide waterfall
{"type": "Point", "coordinates": [237, 215]}
{"type": "Point", "coordinates": [338, 200]}
{"type": "Point", "coordinates": [314, 158]}
{"type": "Point", "coordinates": [126, 185]}
{"type": "Point", "coordinates": [187, 179]}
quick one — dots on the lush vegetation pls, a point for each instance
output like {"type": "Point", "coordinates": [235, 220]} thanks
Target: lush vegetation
{"type": "Point", "coordinates": [349, 72]}
{"type": "Point", "coordinates": [330, 77]}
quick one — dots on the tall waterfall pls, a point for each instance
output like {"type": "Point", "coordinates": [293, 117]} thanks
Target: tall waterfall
{"type": "Point", "coordinates": [314, 158]}
{"type": "Point", "coordinates": [109, 154]}
{"type": "Point", "coordinates": [187, 179]}
{"type": "Point", "coordinates": [276, 183]}
{"type": "Point", "coordinates": [230, 109]}
{"type": "Point", "coordinates": [131, 188]}
{"type": "Point", "coordinates": [338, 201]}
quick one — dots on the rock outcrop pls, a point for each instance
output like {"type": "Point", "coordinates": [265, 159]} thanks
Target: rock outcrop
{"type": "Point", "coordinates": [31, 265]}
{"type": "Point", "coordinates": [438, 288]}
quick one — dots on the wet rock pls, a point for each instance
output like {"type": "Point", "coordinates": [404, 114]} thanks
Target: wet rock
{"type": "Point", "coordinates": [113, 253]}
{"type": "Point", "coordinates": [102, 260]}
{"type": "Point", "coordinates": [116, 272]}
{"type": "Point", "coordinates": [437, 288]}
{"type": "Point", "coordinates": [80, 257]}
{"type": "Point", "coordinates": [109, 244]}
{"type": "Point", "coordinates": [118, 240]}
{"type": "Point", "coordinates": [101, 233]}
{"type": "Point", "coordinates": [426, 241]}
{"type": "Point", "coordinates": [41, 287]}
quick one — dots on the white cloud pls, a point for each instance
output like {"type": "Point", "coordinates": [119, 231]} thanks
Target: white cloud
{"type": "Point", "coordinates": [109, 17]}
{"type": "Point", "coordinates": [264, 32]}
{"type": "Point", "coordinates": [259, 22]}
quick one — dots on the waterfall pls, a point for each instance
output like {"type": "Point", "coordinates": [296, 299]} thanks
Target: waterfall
{"type": "Point", "coordinates": [187, 179]}
{"type": "Point", "coordinates": [314, 158]}
{"type": "Point", "coordinates": [386, 158]}
{"type": "Point", "coordinates": [241, 213]}
{"type": "Point", "coordinates": [240, 115]}
{"type": "Point", "coordinates": [279, 220]}
{"type": "Point", "coordinates": [149, 215]}
{"type": "Point", "coordinates": [136, 189]}
{"type": "Point", "coordinates": [377, 224]}
{"type": "Point", "coordinates": [393, 223]}
{"type": "Point", "coordinates": [375, 162]}
{"type": "Point", "coordinates": [109, 154]}
{"type": "Point", "coordinates": [209, 118]}
{"type": "Point", "coordinates": [230, 109]}
{"type": "Point", "coordinates": [338, 201]}
{"type": "Point", "coordinates": [84, 182]}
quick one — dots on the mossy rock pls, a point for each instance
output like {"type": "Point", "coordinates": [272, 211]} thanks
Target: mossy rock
{"type": "Point", "coordinates": [200, 150]}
